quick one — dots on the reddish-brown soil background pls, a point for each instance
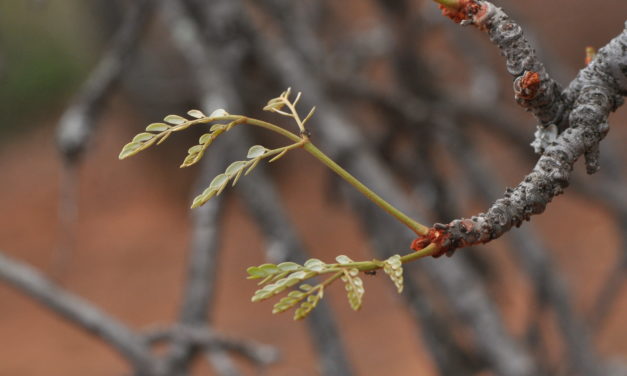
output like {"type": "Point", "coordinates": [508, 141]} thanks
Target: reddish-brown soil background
{"type": "Point", "coordinates": [133, 228]}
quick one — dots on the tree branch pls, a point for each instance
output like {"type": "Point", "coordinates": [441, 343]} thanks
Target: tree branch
{"type": "Point", "coordinates": [600, 93]}
{"type": "Point", "coordinates": [79, 312]}
{"type": "Point", "coordinates": [534, 90]}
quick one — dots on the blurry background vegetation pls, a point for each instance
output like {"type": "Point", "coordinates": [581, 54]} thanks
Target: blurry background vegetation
{"type": "Point", "coordinates": [46, 49]}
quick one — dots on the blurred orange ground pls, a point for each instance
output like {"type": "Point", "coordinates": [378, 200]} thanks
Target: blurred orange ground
{"type": "Point", "coordinates": [132, 240]}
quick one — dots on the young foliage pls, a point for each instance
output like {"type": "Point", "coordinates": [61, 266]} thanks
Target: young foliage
{"type": "Point", "coordinates": [276, 279]}
{"type": "Point", "coordinates": [159, 132]}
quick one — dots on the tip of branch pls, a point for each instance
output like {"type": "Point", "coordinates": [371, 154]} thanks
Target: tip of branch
{"type": "Point", "coordinates": [459, 10]}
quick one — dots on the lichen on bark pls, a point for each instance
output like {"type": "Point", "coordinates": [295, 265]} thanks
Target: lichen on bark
{"type": "Point", "coordinates": [597, 90]}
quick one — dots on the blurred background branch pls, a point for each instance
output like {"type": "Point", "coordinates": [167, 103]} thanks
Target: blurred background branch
{"type": "Point", "coordinates": [418, 109]}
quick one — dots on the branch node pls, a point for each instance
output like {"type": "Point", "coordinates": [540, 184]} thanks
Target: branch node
{"type": "Point", "coordinates": [437, 235]}
{"type": "Point", "coordinates": [527, 86]}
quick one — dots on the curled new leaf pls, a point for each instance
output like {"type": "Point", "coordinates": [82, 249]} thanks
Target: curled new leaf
{"type": "Point", "coordinates": [130, 149]}
{"type": "Point", "coordinates": [354, 288]}
{"type": "Point", "coordinates": [205, 196]}
{"type": "Point", "coordinates": [275, 104]}
{"type": "Point", "coordinates": [307, 306]}
{"type": "Point", "coordinates": [194, 154]}
{"type": "Point", "coordinates": [205, 138]}
{"type": "Point", "coordinates": [393, 267]}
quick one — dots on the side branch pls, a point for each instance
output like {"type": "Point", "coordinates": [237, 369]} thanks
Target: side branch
{"type": "Point", "coordinates": [534, 90]}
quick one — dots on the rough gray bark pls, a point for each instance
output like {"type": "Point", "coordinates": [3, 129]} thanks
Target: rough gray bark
{"type": "Point", "coordinates": [542, 98]}
{"type": "Point", "coordinates": [534, 259]}
{"type": "Point", "coordinates": [600, 89]}
{"type": "Point", "coordinates": [342, 142]}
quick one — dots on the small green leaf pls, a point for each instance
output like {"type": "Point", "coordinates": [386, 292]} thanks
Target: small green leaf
{"type": "Point", "coordinates": [203, 197]}
{"type": "Point", "coordinates": [354, 289]}
{"type": "Point", "coordinates": [218, 113]}
{"type": "Point", "coordinates": [195, 149]}
{"type": "Point", "coordinates": [296, 294]}
{"type": "Point", "coordinates": [274, 104]}
{"type": "Point", "coordinates": [288, 266]}
{"type": "Point", "coordinates": [280, 275]}
{"type": "Point", "coordinates": [269, 269]}
{"type": "Point", "coordinates": [142, 137]}
{"type": "Point", "coordinates": [205, 138]}
{"type": "Point", "coordinates": [343, 259]}
{"type": "Point", "coordinates": [307, 306]}
{"type": "Point", "coordinates": [284, 304]}
{"type": "Point", "coordinates": [313, 262]}
{"type": "Point", "coordinates": [219, 181]}
{"type": "Point", "coordinates": [256, 151]}
{"type": "Point", "coordinates": [157, 127]}
{"type": "Point", "coordinates": [315, 265]}
{"type": "Point", "coordinates": [261, 295]}
{"type": "Point", "coordinates": [301, 275]}
{"type": "Point", "coordinates": [129, 149]}
{"type": "Point", "coordinates": [196, 114]}
{"type": "Point", "coordinates": [217, 127]}
{"type": "Point", "coordinates": [255, 272]}
{"type": "Point", "coordinates": [174, 119]}
{"type": "Point", "coordinates": [393, 267]}
{"type": "Point", "coordinates": [235, 168]}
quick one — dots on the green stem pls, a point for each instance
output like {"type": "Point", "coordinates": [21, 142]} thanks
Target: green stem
{"type": "Point", "coordinates": [429, 250]}
{"type": "Point", "coordinates": [365, 266]}
{"type": "Point", "coordinates": [331, 279]}
{"type": "Point", "coordinates": [402, 217]}
{"type": "Point", "coordinates": [242, 120]}
{"type": "Point", "coordinates": [274, 128]}
{"type": "Point", "coordinates": [393, 211]}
